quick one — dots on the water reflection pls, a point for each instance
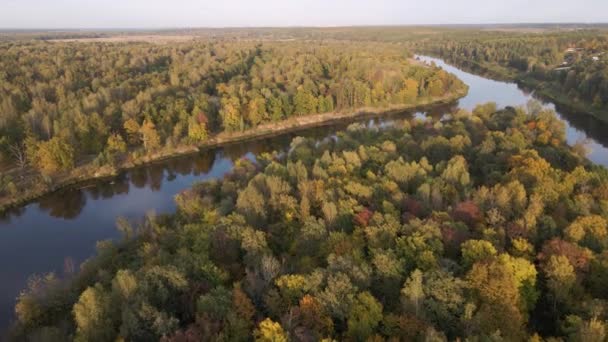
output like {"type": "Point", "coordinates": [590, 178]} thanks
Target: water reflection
{"type": "Point", "coordinates": [69, 207]}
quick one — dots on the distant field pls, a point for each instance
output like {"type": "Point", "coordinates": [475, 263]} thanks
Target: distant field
{"type": "Point", "coordinates": [131, 38]}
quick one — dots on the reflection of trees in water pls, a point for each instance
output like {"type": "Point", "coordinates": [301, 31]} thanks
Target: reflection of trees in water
{"type": "Point", "coordinates": [156, 175]}
{"type": "Point", "coordinates": [6, 216]}
{"type": "Point", "coordinates": [139, 177]}
{"type": "Point", "coordinates": [203, 162]}
{"type": "Point", "coordinates": [151, 175]}
{"type": "Point", "coordinates": [107, 190]}
{"type": "Point", "coordinates": [235, 152]}
{"type": "Point", "coordinates": [594, 128]}
{"type": "Point", "coordinates": [438, 112]}
{"type": "Point", "coordinates": [66, 204]}
{"type": "Point", "coordinates": [181, 166]}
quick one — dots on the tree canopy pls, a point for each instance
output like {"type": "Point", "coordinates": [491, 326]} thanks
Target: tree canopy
{"type": "Point", "coordinates": [384, 234]}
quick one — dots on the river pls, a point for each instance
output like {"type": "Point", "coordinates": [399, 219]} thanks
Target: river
{"type": "Point", "coordinates": [62, 229]}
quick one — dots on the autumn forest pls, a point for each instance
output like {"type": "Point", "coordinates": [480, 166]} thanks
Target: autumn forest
{"type": "Point", "coordinates": [487, 223]}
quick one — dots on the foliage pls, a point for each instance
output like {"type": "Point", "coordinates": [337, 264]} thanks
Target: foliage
{"type": "Point", "coordinates": [90, 95]}
{"type": "Point", "coordinates": [378, 234]}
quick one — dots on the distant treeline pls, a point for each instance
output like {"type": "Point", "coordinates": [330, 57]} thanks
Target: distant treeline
{"type": "Point", "coordinates": [571, 65]}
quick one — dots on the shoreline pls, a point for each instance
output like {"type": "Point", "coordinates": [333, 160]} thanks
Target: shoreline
{"type": "Point", "coordinates": [562, 99]}
{"type": "Point", "coordinates": [87, 173]}
{"type": "Point", "coordinates": [542, 89]}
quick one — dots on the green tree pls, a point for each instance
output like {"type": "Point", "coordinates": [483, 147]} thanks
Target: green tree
{"type": "Point", "coordinates": [364, 317]}
{"type": "Point", "coordinates": [304, 102]}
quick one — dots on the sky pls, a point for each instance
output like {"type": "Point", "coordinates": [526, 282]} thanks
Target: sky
{"type": "Point", "coordinates": [252, 13]}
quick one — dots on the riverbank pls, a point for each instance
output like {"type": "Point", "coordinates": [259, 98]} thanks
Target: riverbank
{"type": "Point", "coordinates": [494, 72]}
{"type": "Point", "coordinates": [31, 188]}
{"type": "Point", "coordinates": [554, 95]}
{"type": "Point", "coordinates": [542, 89]}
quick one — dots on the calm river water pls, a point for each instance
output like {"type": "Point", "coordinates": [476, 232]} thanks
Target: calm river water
{"type": "Point", "coordinates": [63, 228]}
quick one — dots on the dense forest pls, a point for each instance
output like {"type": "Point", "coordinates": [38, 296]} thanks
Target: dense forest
{"type": "Point", "coordinates": [62, 104]}
{"type": "Point", "coordinates": [482, 226]}
{"type": "Point", "coordinates": [570, 66]}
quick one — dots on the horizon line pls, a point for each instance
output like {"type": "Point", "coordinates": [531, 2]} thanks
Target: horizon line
{"type": "Point", "coordinates": [142, 28]}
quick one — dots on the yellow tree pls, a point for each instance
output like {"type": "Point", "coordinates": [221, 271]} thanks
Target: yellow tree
{"type": "Point", "coordinates": [116, 144]}
{"type": "Point", "coordinates": [269, 331]}
{"type": "Point", "coordinates": [229, 112]}
{"type": "Point", "coordinates": [132, 128]}
{"type": "Point", "coordinates": [149, 136]}
{"type": "Point", "coordinates": [494, 287]}
{"type": "Point", "coordinates": [197, 131]}
{"type": "Point", "coordinates": [55, 155]}
{"type": "Point", "coordinates": [256, 111]}
{"type": "Point", "coordinates": [409, 93]}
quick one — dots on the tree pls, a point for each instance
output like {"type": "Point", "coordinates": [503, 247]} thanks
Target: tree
{"type": "Point", "coordinates": [305, 103]}
{"type": "Point", "coordinates": [436, 87]}
{"type": "Point", "coordinates": [413, 291]}
{"type": "Point", "coordinates": [216, 304]}
{"type": "Point", "coordinates": [275, 107]}
{"type": "Point", "coordinates": [593, 330]}
{"type": "Point", "coordinates": [92, 315]}
{"type": "Point", "coordinates": [269, 331]}
{"type": "Point", "coordinates": [498, 300]}
{"type": "Point", "coordinates": [326, 104]}
{"type": "Point", "coordinates": [19, 153]}
{"type": "Point", "coordinates": [197, 129]}
{"type": "Point", "coordinates": [149, 136]}
{"type": "Point", "coordinates": [314, 317]}
{"type": "Point", "coordinates": [230, 114]}
{"type": "Point", "coordinates": [256, 111]}
{"type": "Point", "coordinates": [444, 303]}
{"type": "Point", "coordinates": [54, 155]}
{"type": "Point", "coordinates": [124, 285]}
{"type": "Point", "coordinates": [133, 131]}
{"type": "Point", "coordinates": [338, 296]}
{"type": "Point", "coordinates": [591, 231]}
{"type": "Point", "coordinates": [252, 204]}
{"type": "Point", "coordinates": [292, 288]}
{"type": "Point", "coordinates": [476, 250]}
{"type": "Point", "coordinates": [560, 278]}
{"type": "Point", "coordinates": [115, 144]}
{"type": "Point", "coordinates": [364, 317]}
{"type": "Point", "coordinates": [409, 93]}
{"type": "Point", "coordinates": [467, 212]}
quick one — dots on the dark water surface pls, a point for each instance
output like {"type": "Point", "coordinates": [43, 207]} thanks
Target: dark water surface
{"type": "Point", "coordinates": [62, 229]}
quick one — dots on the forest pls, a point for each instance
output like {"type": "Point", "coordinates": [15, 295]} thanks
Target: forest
{"type": "Point", "coordinates": [482, 226]}
{"type": "Point", "coordinates": [570, 67]}
{"type": "Point", "coordinates": [64, 105]}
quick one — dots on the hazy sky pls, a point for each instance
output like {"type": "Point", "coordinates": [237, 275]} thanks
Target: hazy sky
{"type": "Point", "coordinates": [220, 13]}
